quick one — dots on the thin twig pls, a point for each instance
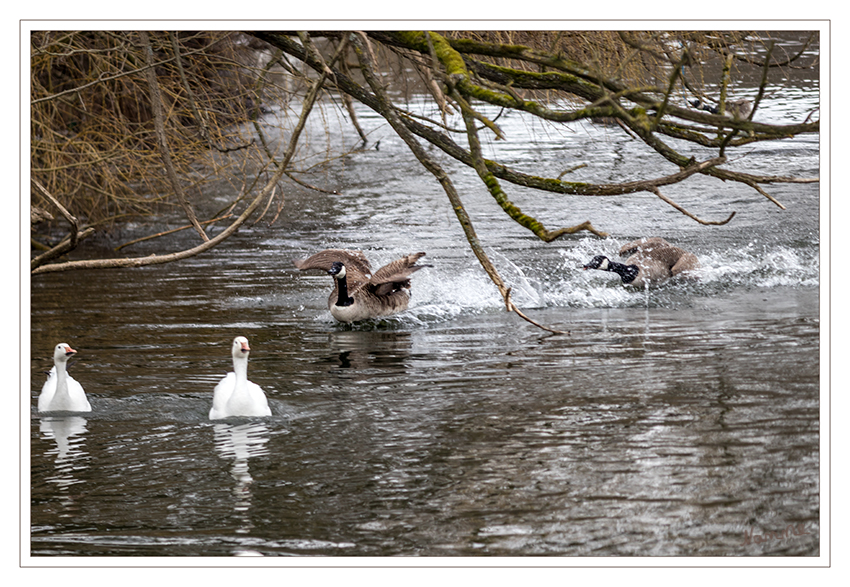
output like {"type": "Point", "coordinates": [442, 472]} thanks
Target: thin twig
{"type": "Point", "coordinates": [310, 186]}
{"type": "Point", "coordinates": [159, 125]}
{"type": "Point", "coordinates": [307, 106]}
{"type": "Point", "coordinates": [658, 193]}
{"type": "Point", "coordinates": [266, 209]}
{"type": "Point", "coordinates": [172, 231]}
{"type": "Point", "coordinates": [190, 95]}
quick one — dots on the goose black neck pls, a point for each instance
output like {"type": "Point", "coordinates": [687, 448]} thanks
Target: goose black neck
{"type": "Point", "coordinates": [343, 299]}
{"type": "Point", "coordinates": [627, 273]}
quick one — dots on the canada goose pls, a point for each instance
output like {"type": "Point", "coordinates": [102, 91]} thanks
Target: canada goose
{"type": "Point", "coordinates": [358, 294]}
{"type": "Point", "coordinates": [235, 395]}
{"type": "Point", "coordinates": [61, 392]}
{"type": "Point", "coordinates": [707, 107]}
{"type": "Point", "coordinates": [737, 109]}
{"type": "Point", "coordinates": [651, 260]}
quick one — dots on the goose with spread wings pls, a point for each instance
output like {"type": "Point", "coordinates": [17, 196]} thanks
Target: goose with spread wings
{"type": "Point", "coordinates": [359, 294]}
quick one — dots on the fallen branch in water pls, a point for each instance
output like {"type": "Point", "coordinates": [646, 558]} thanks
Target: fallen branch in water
{"type": "Point", "coordinates": [69, 243]}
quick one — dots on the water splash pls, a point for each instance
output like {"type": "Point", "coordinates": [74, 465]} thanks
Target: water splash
{"type": "Point", "coordinates": [542, 278]}
{"type": "Point", "coordinates": [756, 265]}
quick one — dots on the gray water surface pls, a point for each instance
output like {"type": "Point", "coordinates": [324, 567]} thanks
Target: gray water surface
{"type": "Point", "coordinates": [679, 421]}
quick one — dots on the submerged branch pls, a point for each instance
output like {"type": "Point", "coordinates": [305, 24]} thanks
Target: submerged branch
{"type": "Point", "coordinates": [172, 231]}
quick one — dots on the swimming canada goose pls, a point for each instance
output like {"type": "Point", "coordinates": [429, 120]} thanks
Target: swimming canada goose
{"type": "Point", "coordinates": [358, 294]}
{"type": "Point", "coordinates": [61, 392]}
{"type": "Point", "coordinates": [737, 109]}
{"type": "Point", "coordinates": [707, 107]}
{"type": "Point", "coordinates": [651, 260]}
{"type": "Point", "coordinates": [235, 395]}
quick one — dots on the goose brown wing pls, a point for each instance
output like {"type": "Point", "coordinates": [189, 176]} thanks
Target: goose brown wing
{"type": "Point", "coordinates": [396, 274]}
{"type": "Point", "coordinates": [325, 259]}
{"type": "Point", "coordinates": [357, 268]}
{"type": "Point", "coordinates": [686, 262]}
{"type": "Point", "coordinates": [652, 270]}
{"type": "Point", "coordinates": [643, 244]}
{"type": "Point", "coordinates": [675, 259]}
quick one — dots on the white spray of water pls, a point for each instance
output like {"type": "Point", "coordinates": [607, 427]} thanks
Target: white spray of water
{"type": "Point", "coordinates": [459, 286]}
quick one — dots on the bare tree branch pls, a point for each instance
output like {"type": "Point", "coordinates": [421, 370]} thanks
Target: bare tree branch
{"type": "Point", "coordinates": [367, 66]}
{"type": "Point", "coordinates": [162, 139]}
{"type": "Point", "coordinates": [309, 101]}
{"type": "Point", "coordinates": [69, 243]}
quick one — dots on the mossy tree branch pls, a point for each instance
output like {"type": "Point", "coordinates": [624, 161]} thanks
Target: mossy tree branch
{"type": "Point", "coordinates": [361, 46]}
{"type": "Point", "coordinates": [631, 79]}
{"type": "Point", "coordinates": [604, 97]}
{"type": "Point", "coordinates": [500, 196]}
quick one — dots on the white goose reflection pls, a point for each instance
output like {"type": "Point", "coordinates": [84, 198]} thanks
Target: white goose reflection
{"type": "Point", "coordinates": [68, 432]}
{"type": "Point", "coordinates": [240, 442]}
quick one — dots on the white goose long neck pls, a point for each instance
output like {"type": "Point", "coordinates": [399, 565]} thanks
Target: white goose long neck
{"type": "Point", "coordinates": [61, 378]}
{"type": "Point", "coordinates": [240, 368]}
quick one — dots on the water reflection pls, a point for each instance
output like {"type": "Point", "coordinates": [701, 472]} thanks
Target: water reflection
{"type": "Point", "coordinates": [68, 434]}
{"type": "Point", "coordinates": [674, 421]}
{"type": "Point", "coordinates": [241, 442]}
{"type": "Point", "coordinates": [360, 350]}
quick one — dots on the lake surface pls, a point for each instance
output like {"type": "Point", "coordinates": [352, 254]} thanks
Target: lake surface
{"type": "Point", "coordinates": [678, 421]}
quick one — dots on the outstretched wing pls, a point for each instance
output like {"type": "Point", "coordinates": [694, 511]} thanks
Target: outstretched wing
{"type": "Point", "coordinates": [644, 245]}
{"type": "Point", "coordinates": [396, 275]}
{"type": "Point", "coordinates": [325, 259]}
{"type": "Point", "coordinates": [357, 268]}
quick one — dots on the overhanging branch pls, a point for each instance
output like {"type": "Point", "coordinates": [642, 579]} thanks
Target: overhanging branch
{"type": "Point", "coordinates": [309, 101]}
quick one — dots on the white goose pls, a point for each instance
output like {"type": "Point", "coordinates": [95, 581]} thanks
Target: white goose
{"type": "Point", "coordinates": [61, 392]}
{"type": "Point", "coordinates": [235, 395]}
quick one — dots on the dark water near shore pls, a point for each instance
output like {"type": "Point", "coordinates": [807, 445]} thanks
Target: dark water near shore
{"type": "Point", "coordinates": [672, 422]}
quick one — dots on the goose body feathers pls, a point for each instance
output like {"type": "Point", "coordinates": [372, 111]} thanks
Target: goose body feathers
{"type": "Point", "coordinates": [61, 392]}
{"type": "Point", "coordinates": [359, 294]}
{"type": "Point", "coordinates": [235, 395]}
{"type": "Point", "coordinates": [650, 261]}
